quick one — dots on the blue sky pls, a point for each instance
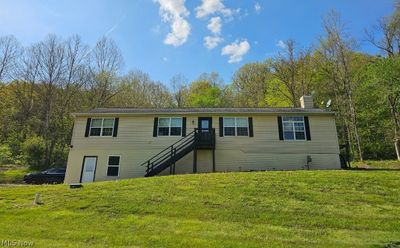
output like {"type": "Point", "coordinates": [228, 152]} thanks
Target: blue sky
{"type": "Point", "coordinates": [239, 31]}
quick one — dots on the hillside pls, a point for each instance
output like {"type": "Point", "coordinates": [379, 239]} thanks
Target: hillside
{"type": "Point", "coordinates": [275, 209]}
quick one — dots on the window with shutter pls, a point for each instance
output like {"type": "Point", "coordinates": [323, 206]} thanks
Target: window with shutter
{"type": "Point", "coordinates": [103, 127]}
{"type": "Point", "coordinates": [293, 128]}
{"type": "Point", "coordinates": [113, 166]}
{"type": "Point", "coordinates": [170, 126]}
{"type": "Point", "coordinates": [236, 126]}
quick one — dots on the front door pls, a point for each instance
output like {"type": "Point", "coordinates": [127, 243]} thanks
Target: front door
{"type": "Point", "coordinates": [89, 169]}
{"type": "Point", "coordinates": [205, 123]}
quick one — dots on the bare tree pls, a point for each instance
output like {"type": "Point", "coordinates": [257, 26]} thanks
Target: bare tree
{"type": "Point", "coordinates": [335, 61]}
{"type": "Point", "coordinates": [137, 89]}
{"type": "Point", "coordinates": [388, 28]}
{"type": "Point", "coordinates": [10, 51]}
{"type": "Point", "coordinates": [51, 58]}
{"type": "Point", "coordinates": [106, 61]}
{"type": "Point", "coordinates": [76, 72]}
{"type": "Point", "coordinates": [293, 69]}
{"type": "Point", "coordinates": [179, 90]}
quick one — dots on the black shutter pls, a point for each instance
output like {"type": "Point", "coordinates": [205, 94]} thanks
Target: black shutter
{"type": "Point", "coordinates": [155, 127]}
{"type": "Point", "coordinates": [307, 126]}
{"type": "Point", "coordinates": [251, 133]}
{"type": "Point", "coordinates": [221, 126]}
{"type": "Point", "coordinates": [116, 121]}
{"type": "Point", "coordinates": [89, 120]}
{"type": "Point", "coordinates": [280, 127]}
{"type": "Point", "coordinates": [183, 126]}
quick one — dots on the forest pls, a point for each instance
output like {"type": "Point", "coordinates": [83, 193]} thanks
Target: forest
{"type": "Point", "coordinates": [41, 84]}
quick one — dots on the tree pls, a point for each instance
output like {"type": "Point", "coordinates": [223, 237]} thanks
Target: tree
{"type": "Point", "coordinates": [389, 29]}
{"type": "Point", "coordinates": [106, 61]}
{"type": "Point", "coordinates": [251, 83]}
{"type": "Point", "coordinates": [179, 90]}
{"type": "Point", "coordinates": [385, 75]}
{"type": "Point", "coordinates": [208, 91]}
{"type": "Point", "coordinates": [335, 59]}
{"type": "Point", "coordinates": [10, 51]}
{"type": "Point", "coordinates": [294, 70]}
{"type": "Point", "coordinates": [137, 89]}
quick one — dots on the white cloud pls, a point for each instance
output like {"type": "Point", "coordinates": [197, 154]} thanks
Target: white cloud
{"type": "Point", "coordinates": [174, 12]}
{"type": "Point", "coordinates": [209, 7]}
{"type": "Point", "coordinates": [214, 25]}
{"type": "Point", "coordinates": [236, 50]}
{"type": "Point", "coordinates": [257, 7]}
{"type": "Point", "coordinates": [281, 44]}
{"type": "Point", "coordinates": [165, 59]}
{"type": "Point", "coordinates": [212, 41]}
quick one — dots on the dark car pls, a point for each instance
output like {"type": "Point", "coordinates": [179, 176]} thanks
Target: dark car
{"type": "Point", "coordinates": [50, 176]}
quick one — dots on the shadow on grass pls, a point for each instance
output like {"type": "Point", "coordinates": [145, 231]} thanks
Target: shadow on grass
{"type": "Point", "coordinates": [373, 169]}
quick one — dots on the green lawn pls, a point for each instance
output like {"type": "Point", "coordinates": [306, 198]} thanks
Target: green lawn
{"type": "Point", "coordinates": [378, 164]}
{"type": "Point", "coordinates": [263, 209]}
{"type": "Point", "coordinates": [12, 175]}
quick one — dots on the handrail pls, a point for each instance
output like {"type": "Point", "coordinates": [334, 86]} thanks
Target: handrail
{"type": "Point", "coordinates": [188, 135]}
{"type": "Point", "coordinates": [169, 152]}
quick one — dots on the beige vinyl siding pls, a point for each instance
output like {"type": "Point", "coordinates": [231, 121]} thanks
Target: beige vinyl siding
{"type": "Point", "coordinates": [135, 144]}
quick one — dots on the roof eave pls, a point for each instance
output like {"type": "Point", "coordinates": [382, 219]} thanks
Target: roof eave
{"type": "Point", "coordinates": [88, 114]}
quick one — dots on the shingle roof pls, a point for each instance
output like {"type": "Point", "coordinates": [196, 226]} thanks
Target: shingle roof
{"type": "Point", "coordinates": [133, 111]}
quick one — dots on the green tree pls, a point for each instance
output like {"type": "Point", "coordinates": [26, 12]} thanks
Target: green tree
{"type": "Point", "coordinates": [385, 76]}
{"type": "Point", "coordinates": [251, 82]}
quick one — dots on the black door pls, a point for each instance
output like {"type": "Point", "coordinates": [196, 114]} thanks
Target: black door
{"type": "Point", "coordinates": [205, 123]}
{"type": "Point", "coordinates": [205, 135]}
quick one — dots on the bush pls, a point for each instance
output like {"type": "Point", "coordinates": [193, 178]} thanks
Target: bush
{"type": "Point", "coordinates": [6, 156]}
{"type": "Point", "coordinates": [33, 152]}
{"type": "Point", "coordinates": [60, 156]}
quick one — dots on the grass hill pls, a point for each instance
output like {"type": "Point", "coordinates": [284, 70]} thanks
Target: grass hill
{"type": "Point", "coordinates": [265, 209]}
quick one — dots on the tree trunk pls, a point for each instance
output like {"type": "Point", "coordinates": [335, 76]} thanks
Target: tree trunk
{"type": "Point", "coordinates": [397, 147]}
{"type": "Point", "coordinates": [393, 110]}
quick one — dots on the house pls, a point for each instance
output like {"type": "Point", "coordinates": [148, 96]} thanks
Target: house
{"type": "Point", "coordinates": [117, 143]}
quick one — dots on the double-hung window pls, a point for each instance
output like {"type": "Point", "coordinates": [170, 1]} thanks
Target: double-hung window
{"type": "Point", "coordinates": [113, 166]}
{"type": "Point", "coordinates": [236, 126]}
{"type": "Point", "coordinates": [169, 126]}
{"type": "Point", "coordinates": [293, 128]}
{"type": "Point", "coordinates": [102, 127]}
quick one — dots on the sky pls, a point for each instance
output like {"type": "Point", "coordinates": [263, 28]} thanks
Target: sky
{"type": "Point", "coordinates": [169, 37]}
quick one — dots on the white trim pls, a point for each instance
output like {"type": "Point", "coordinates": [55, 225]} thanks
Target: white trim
{"type": "Point", "coordinates": [169, 126]}
{"type": "Point", "coordinates": [119, 165]}
{"type": "Point", "coordinates": [102, 127]}
{"type": "Point", "coordinates": [235, 126]}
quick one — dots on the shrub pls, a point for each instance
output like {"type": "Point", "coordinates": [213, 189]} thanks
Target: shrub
{"type": "Point", "coordinates": [6, 156]}
{"type": "Point", "coordinates": [33, 150]}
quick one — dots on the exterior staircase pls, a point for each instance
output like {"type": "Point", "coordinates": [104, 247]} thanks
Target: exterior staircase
{"type": "Point", "coordinates": [200, 138]}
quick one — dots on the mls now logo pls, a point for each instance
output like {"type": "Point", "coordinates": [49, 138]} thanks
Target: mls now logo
{"type": "Point", "coordinates": [16, 243]}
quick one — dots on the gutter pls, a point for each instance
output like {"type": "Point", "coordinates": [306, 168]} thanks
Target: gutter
{"type": "Point", "coordinates": [88, 114]}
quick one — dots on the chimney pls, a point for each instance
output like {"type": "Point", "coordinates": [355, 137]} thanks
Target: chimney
{"type": "Point", "coordinates": [306, 102]}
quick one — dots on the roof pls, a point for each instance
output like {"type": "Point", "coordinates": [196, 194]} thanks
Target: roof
{"type": "Point", "coordinates": [153, 111]}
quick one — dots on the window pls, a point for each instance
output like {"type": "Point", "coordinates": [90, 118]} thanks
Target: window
{"type": "Point", "coordinates": [236, 126]}
{"type": "Point", "coordinates": [55, 171]}
{"type": "Point", "coordinates": [293, 128]}
{"type": "Point", "coordinates": [170, 126]}
{"type": "Point", "coordinates": [102, 127]}
{"type": "Point", "coordinates": [113, 166]}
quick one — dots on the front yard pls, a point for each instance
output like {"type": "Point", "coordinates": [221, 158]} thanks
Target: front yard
{"type": "Point", "coordinates": [260, 209]}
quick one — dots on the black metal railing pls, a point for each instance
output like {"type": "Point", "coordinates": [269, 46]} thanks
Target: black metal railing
{"type": "Point", "coordinates": [200, 138]}
{"type": "Point", "coordinates": [205, 138]}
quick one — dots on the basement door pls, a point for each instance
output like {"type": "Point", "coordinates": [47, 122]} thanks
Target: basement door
{"type": "Point", "coordinates": [89, 169]}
